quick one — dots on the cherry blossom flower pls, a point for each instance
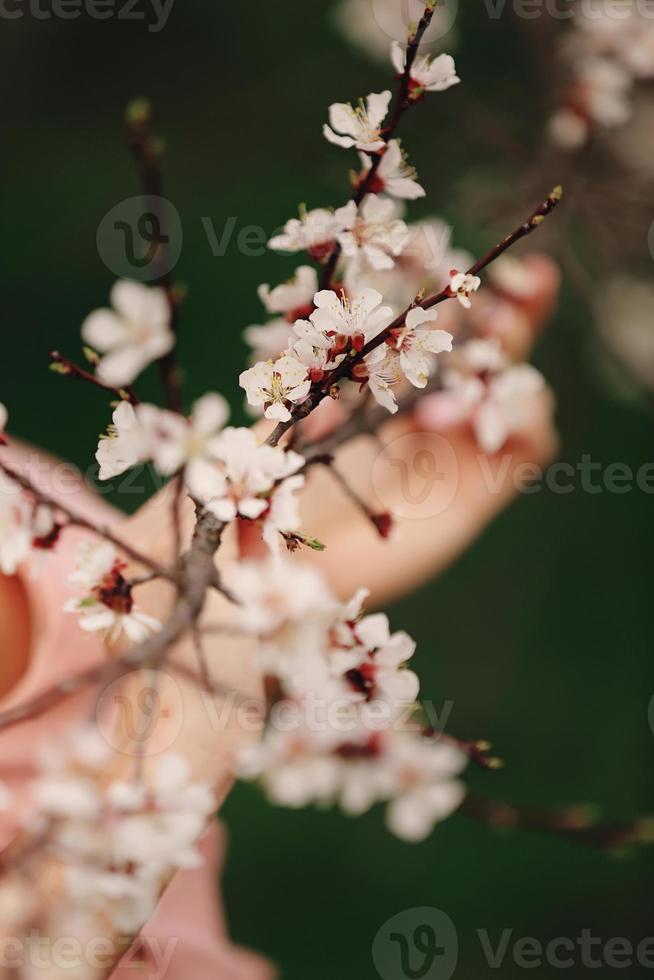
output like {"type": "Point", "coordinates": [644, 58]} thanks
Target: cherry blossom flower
{"type": "Point", "coordinates": [374, 665]}
{"type": "Point", "coordinates": [414, 775]}
{"type": "Point", "coordinates": [125, 445]}
{"type": "Point", "coordinates": [126, 899]}
{"type": "Point", "coordinates": [134, 333]}
{"type": "Point", "coordinates": [480, 385]}
{"type": "Point", "coordinates": [339, 322]}
{"type": "Point", "coordinates": [360, 126]}
{"type": "Point", "coordinates": [377, 236]}
{"type": "Point", "coordinates": [317, 360]}
{"type": "Point", "coordinates": [67, 794]}
{"type": "Point", "coordinates": [600, 95]}
{"type": "Point", "coordinates": [177, 443]}
{"type": "Point", "coordinates": [283, 514]}
{"type": "Point", "coordinates": [416, 344]}
{"type": "Point", "coordinates": [277, 386]}
{"type": "Point", "coordinates": [294, 298]}
{"type": "Point", "coordinates": [107, 606]}
{"type": "Point", "coordinates": [427, 74]}
{"type": "Point", "coordinates": [462, 284]}
{"type": "Point", "coordinates": [315, 231]}
{"type": "Point", "coordinates": [394, 176]}
{"type": "Point", "coordinates": [424, 263]}
{"type": "Point", "coordinates": [248, 472]}
{"type": "Point", "coordinates": [162, 831]}
{"type": "Point", "coordinates": [428, 791]}
{"type": "Point", "coordinates": [118, 842]}
{"type": "Point", "coordinates": [381, 371]}
{"type": "Point", "coordinates": [4, 416]}
{"type": "Point", "coordinates": [275, 594]}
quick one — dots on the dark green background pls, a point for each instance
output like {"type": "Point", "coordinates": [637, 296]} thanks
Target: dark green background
{"type": "Point", "coordinates": [541, 634]}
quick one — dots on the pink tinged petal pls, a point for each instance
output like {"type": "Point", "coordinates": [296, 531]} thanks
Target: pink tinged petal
{"type": "Point", "coordinates": [441, 74]}
{"type": "Point", "coordinates": [400, 648]}
{"type": "Point", "coordinates": [326, 299]}
{"type": "Point", "coordinates": [373, 630]}
{"type": "Point", "coordinates": [346, 142]}
{"type": "Point", "coordinates": [342, 118]}
{"type": "Point", "coordinates": [223, 508]}
{"type": "Point", "coordinates": [122, 366]}
{"type": "Point", "coordinates": [404, 188]}
{"type": "Point", "coordinates": [210, 413]}
{"type": "Point", "coordinates": [377, 210]}
{"type": "Point", "coordinates": [400, 686]}
{"type": "Point", "coordinates": [103, 619]}
{"type": "Point", "coordinates": [292, 462]}
{"type": "Point", "coordinates": [378, 103]}
{"type": "Point", "coordinates": [291, 371]}
{"type": "Point", "coordinates": [378, 258]}
{"type": "Point", "coordinates": [348, 243]}
{"type": "Point", "coordinates": [277, 412]}
{"type": "Point", "coordinates": [417, 316]}
{"type": "Point", "coordinates": [398, 57]}
{"type": "Point", "coordinates": [378, 320]}
{"type": "Point", "coordinates": [104, 331]}
{"type": "Point", "coordinates": [252, 507]}
{"type": "Point", "coordinates": [204, 480]}
{"type": "Point", "coordinates": [347, 215]}
{"type": "Point", "coordinates": [436, 341]}
{"type": "Point", "coordinates": [129, 298]}
{"type": "Point", "coordinates": [415, 368]}
{"type": "Point", "coordinates": [368, 299]}
{"type": "Point", "coordinates": [371, 147]}
{"type": "Point", "coordinates": [391, 160]}
{"type": "Point", "coordinates": [300, 392]}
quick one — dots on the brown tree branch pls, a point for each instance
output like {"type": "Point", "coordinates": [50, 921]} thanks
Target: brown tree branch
{"type": "Point", "coordinates": [64, 366]}
{"type": "Point", "coordinates": [402, 103]}
{"type": "Point", "coordinates": [147, 151]}
{"type": "Point", "coordinates": [577, 824]}
{"type": "Point", "coordinates": [344, 370]}
{"type": "Point", "coordinates": [76, 520]}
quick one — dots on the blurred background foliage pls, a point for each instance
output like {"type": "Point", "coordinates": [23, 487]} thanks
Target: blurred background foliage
{"type": "Point", "coordinates": [541, 634]}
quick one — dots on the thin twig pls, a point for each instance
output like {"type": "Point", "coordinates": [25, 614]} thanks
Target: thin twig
{"type": "Point", "coordinates": [77, 520]}
{"type": "Point", "coordinates": [402, 102]}
{"type": "Point", "coordinates": [147, 152]}
{"type": "Point", "coordinates": [576, 823]}
{"type": "Point", "coordinates": [344, 370]}
{"type": "Point", "coordinates": [70, 369]}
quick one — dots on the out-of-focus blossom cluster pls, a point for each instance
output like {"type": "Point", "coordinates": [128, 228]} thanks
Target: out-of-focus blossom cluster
{"type": "Point", "coordinates": [343, 725]}
{"type": "Point", "coordinates": [609, 50]}
{"type": "Point", "coordinates": [114, 842]}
